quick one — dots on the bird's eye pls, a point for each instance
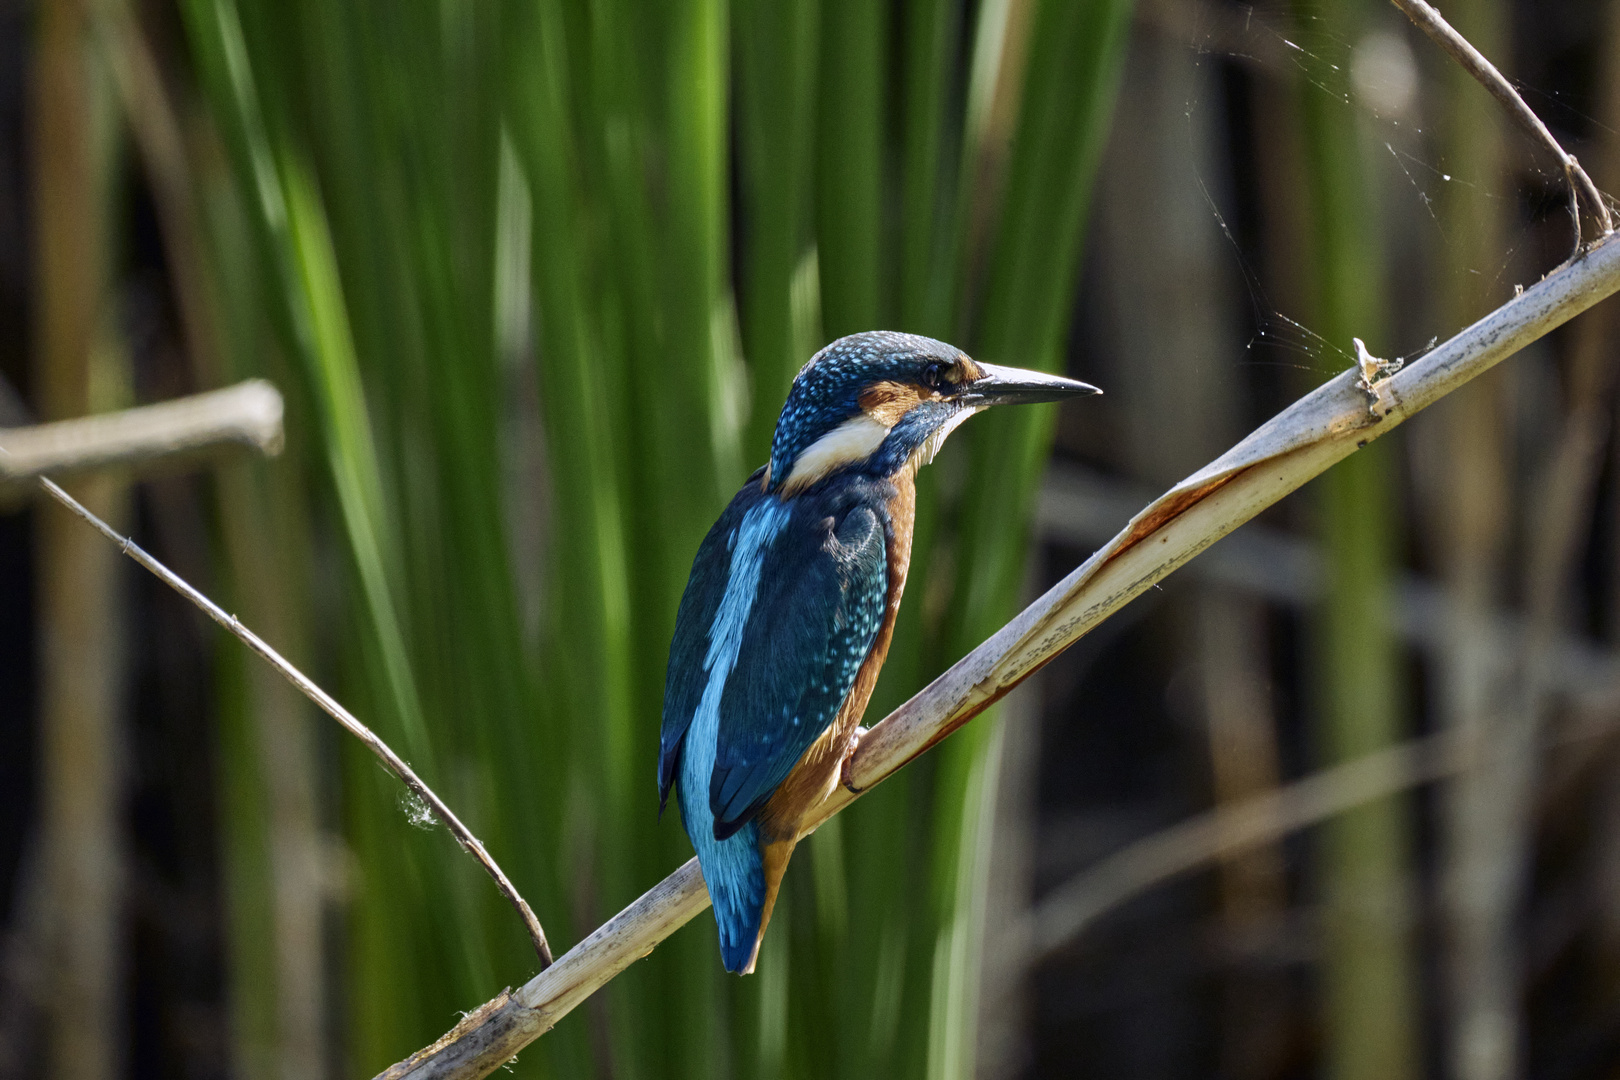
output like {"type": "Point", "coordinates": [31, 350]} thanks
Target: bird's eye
{"type": "Point", "coordinates": [933, 375]}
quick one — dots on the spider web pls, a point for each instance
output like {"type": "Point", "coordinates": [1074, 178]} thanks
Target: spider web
{"type": "Point", "coordinates": [1391, 80]}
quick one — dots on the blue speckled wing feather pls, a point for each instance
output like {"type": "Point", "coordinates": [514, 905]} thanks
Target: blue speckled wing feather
{"type": "Point", "coordinates": [817, 610]}
{"type": "Point", "coordinates": [687, 676]}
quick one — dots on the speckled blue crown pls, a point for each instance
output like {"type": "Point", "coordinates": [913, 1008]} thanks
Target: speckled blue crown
{"type": "Point", "coordinates": [827, 390]}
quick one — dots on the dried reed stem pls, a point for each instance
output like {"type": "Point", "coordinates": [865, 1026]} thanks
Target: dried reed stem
{"type": "Point", "coordinates": [1431, 22]}
{"type": "Point", "coordinates": [248, 414]}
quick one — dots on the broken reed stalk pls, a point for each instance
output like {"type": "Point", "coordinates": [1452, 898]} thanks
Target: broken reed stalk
{"type": "Point", "coordinates": [1298, 444]}
{"type": "Point", "coordinates": [1431, 22]}
{"type": "Point", "coordinates": [331, 707]}
{"type": "Point", "coordinates": [247, 414]}
{"type": "Point", "coordinates": [1076, 905]}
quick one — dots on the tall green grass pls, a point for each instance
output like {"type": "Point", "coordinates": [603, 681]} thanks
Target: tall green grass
{"type": "Point", "coordinates": [711, 192]}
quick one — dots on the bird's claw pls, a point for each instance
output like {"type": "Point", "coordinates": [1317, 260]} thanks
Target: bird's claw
{"type": "Point", "coordinates": [849, 755]}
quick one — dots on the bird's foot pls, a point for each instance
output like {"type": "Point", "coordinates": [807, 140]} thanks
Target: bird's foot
{"type": "Point", "coordinates": [849, 755]}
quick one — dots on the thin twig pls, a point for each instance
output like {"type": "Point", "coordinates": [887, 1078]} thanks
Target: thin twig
{"type": "Point", "coordinates": [330, 706]}
{"type": "Point", "coordinates": [1431, 22]}
{"type": "Point", "coordinates": [1313, 434]}
{"type": "Point", "coordinates": [1075, 906]}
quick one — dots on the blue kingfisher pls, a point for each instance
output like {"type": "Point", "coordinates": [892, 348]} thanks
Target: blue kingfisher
{"type": "Point", "coordinates": [787, 616]}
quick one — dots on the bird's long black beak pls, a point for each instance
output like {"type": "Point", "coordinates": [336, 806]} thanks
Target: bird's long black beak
{"type": "Point", "coordinates": [1020, 386]}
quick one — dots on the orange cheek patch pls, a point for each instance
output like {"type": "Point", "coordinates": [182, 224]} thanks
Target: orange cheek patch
{"type": "Point", "coordinates": [887, 402]}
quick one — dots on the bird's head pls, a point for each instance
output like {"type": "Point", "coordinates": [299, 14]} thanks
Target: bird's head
{"type": "Point", "coordinates": [881, 402]}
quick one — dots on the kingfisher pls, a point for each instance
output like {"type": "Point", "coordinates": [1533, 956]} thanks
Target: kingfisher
{"type": "Point", "coordinates": [791, 603]}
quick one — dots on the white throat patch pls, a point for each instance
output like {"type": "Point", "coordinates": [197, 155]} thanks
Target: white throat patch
{"type": "Point", "coordinates": [853, 440]}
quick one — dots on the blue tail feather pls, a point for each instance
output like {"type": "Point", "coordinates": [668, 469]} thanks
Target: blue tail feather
{"type": "Point", "coordinates": [734, 871]}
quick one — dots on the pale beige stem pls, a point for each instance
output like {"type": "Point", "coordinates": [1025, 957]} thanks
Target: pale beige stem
{"type": "Point", "coordinates": [328, 704]}
{"type": "Point", "coordinates": [247, 414]}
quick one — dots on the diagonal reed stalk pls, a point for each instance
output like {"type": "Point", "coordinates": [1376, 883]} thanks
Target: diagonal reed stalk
{"type": "Point", "coordinates": [329, 705]}
{"type": "Point", "coordinates": [1321, 429]}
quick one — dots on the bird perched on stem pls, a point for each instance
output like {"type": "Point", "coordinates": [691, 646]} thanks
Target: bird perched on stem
{"type": "Point", "coordinates": [788, 613]}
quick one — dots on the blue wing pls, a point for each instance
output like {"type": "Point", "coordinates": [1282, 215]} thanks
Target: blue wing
{"type": "Point", "coordinates": [820, 602]}
{"type": "Point", "coordinates": [686, 677]}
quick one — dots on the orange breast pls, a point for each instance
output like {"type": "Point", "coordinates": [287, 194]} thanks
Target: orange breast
{"type": "Point", "coordinates": [815, 774]}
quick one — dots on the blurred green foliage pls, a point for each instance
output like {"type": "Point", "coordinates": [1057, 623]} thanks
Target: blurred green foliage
{"type": "Point", "coordinates": [1369, 967]}
{"type": "Point", "coordinates": [653, 214]}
